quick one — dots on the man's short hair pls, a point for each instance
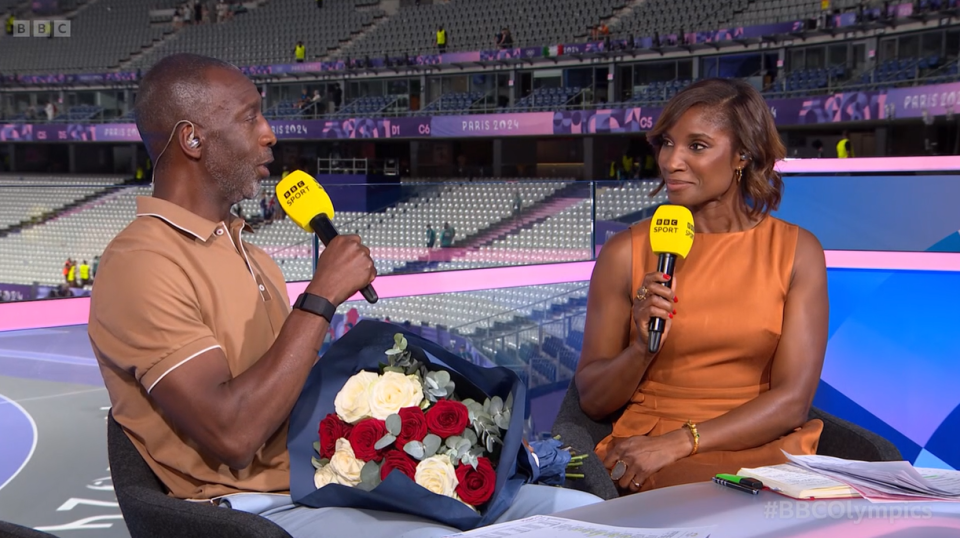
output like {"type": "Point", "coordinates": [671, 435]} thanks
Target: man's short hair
{"type": "Point", "coordinates": [172, 90]}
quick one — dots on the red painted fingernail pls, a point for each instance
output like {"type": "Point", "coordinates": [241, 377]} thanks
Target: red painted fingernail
{"type": "Point", "coordinates": [671, 316]}
{"type": "Point", "coordinates": [666, 277]}
{"type": "Point", "coordinates": [675, 299]}
{"type": "Point", "coordinates": [674, 311]}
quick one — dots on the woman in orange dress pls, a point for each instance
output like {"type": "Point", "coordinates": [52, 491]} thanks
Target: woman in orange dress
{"type": "Point", "coordinates": [746, 316]}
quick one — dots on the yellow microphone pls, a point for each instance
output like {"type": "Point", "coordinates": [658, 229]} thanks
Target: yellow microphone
{"type": "Point", "coordinates": [309, 206]}
{"type": "Point", "coordinates": [671, 235]}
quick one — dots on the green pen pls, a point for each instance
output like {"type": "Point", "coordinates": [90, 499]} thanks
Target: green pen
{"type": "Point", "coordinates": [751, 485]}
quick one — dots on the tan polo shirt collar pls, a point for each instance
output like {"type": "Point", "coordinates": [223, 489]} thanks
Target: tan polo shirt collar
{"type": "Point", "coordinates": [181, 218]}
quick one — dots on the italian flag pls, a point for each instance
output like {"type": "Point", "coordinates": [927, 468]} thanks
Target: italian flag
{"type": "Point", "coordinates": [550, 52]}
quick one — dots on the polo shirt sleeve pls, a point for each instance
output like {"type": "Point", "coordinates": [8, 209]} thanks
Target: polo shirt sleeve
{"type": "Point", "coordinates": [145, 316]}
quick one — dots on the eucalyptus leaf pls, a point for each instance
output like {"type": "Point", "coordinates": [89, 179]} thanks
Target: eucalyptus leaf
{"type": "Point", "coordinates": [397, 338]}
{"type": "Point", "coordinates": [431, 444]}
{"type": "Point", "coordinates": [471, 460]}
{"type": "Point", "coordinates": [470, 435]}
{"type": "Point", "coordinates": [452, 441]}
{"type": "Point", "coordinates": [442, 377]}
{"type": "Point", "coordinates": [316, 446]}
{"type": "Point", "coordinates": [384, 442]}
{"type": "Point", "coordinates": [415, 449]}
{"type": "Point", "coordinates": [450, 387]}
{"type": "Point", "coordinates": [490, 444]}
{"type": "Point", "coordinates": [503, 420]}
{"type": "Point", "coordinates": [424, 404]}
{"type": "Point", "coordinates": [477, 451]}
{"type": "Point", "coordinates": [396, 369]}
{"type": "Point", "coordinates": [412, 369]}
{"type": "Point", "coordinates": [431, 382]}
{"type": "Point", "coordinates": [369, 476]}
{"type": "Point", "coordinates": [316, 463]}
{"type": "Point", "coordinates": [463, 445]}
{"type": "Point", "coordinates": [394, 424]}
{"type": "Point", "coordinates": [469, 402]}
{"type": "Point", "coordinates": [496, 405]}
{"type": "Point", "coordinates": [392, 352]}
{"type": "Point", "coordinates": [403, 343]}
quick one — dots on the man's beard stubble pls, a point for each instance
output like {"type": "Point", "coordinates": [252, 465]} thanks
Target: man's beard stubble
{"type": "Point", "coordinates": [236, 179]}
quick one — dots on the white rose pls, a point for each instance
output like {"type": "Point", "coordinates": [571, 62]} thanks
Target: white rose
{"type": "Point", "coordinates": [436, 474]}
{"type": "Point", "coordinates": [393, 392]}
{"type": "Point", "coordinates": [324, 476]}
{"type": "Point", "coordinates": [345, 465]}
{"type": "Point", "coordinates": [353, 401]}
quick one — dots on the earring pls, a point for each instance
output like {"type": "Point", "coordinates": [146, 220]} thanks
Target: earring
{"type": "Point", "coordinates": [739, 175]}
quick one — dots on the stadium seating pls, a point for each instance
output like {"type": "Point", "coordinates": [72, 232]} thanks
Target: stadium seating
{"type": "Point", "coordinates": [550, 98]}
{"type": "Point", "coordinates": [787, 10]}
{"type": "Point", "coordinates": [102, 35]}
{"type": "Point", "coordinates": [456, 102]}
{"type": "Point", "coordinates": [629, 197]}
{"type": "Point", "coordinates": [267, 34]}
{"type": "Point", "coordinates": [472, 25]}
{"type": "Point", "coordinates": [37, 253]}
{"type": "Point", "coordinates": [29, 197]}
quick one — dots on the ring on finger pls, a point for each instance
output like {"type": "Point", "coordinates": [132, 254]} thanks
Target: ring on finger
{"type": "Point", "coordinates": [635, 483]}
{"type": "Point", "coordinates": [642, 293]}
{"type": "Point", "coordinates": [618, 470]}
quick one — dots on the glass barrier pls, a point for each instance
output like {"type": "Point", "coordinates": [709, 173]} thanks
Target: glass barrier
{"type": "Point", "coordinates": [415, 227]}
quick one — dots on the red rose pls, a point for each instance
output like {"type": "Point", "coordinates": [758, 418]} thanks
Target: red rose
{"type": "Point", "coordinates": [365, 434]}
{"type": "Point", "coordinates": [331, 429]}
{"type": "Point", "coordinates": [476, 485]}
{"type": "Point", "coordinates": [413, 426]}
{"type": "Point", "coordinates": [446, 418]}
{"type": "Point", "coordinates": [395, 459]}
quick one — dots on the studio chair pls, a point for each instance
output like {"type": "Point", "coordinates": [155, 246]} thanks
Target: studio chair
{"type": "Point", "coordinates": [150, 513]}
{"type": "Point", "coordinates": [839, 438]}
{"type": "Point", "coordinates": [9, 530]}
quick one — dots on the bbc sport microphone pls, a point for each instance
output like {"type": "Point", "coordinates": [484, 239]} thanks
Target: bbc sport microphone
{"type": "Point", "coordinates": [671, 235]}
{"type": "Point", "coordinates": [309, 206]}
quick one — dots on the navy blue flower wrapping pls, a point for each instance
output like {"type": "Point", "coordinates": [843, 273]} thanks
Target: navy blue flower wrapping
{"type": "Point", "coordinates": [362, 348]}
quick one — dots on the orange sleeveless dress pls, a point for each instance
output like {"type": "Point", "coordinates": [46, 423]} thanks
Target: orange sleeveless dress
{"type": "Point", "coordinates": [732, 288]}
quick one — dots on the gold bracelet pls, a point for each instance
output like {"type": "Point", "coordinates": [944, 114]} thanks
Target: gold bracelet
{"type": "Point", "coordinates": [690, 425]}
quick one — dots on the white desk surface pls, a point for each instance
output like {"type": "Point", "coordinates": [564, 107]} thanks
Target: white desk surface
{"type": "Point", "coordinates": [736, 514]}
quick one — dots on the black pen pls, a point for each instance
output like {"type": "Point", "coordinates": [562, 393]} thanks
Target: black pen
{"type": "Point", "coordinates": [735, 485]}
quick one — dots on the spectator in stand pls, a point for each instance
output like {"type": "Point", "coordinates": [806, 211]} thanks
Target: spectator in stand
{"type": "Point", "coordinates": [72, 275]}
{"type": "Point", "coordinates": [431, 236]}
{"type": "Point", "coordinates": [50, 110]}
{"type": "Point", "coordinates": [517, 202]}
{"type": "Point", "coordinates": [300, 53]}
{"type": "Point", "coordinates": [96, 265]}
{"type": "Point", "coordinates": [505, 39]}
{"type": "Point", "coordinates": [446, 238]}
{"type": "Point", "coordinates": [263, 206]}
{"type": "Point", "coordinates": [9, 25]}
{"type": "Point", "coordinates": [441, 40]}
{"type": "Point", "coordinates": [66, 270]}
{"type": "Point", "coordinates": [221, 11]}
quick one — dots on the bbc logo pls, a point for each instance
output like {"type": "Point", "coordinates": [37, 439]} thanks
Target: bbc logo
{"type": "Point", "coordinates": [59, 28]}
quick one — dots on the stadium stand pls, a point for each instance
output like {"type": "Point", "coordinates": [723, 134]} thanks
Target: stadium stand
{"type": "Point", "coordinates": [103, 34]}
{"type": "Point", "coordinates": [36, 253]}
{"type": "Point", "coordinates": [472, 25]}
{"type": "Point", "coordinates": [787, 10]}
{"type": "Point", "coordinates": [267, 34]}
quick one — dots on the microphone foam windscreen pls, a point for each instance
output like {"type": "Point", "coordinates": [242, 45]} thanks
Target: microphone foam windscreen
{"type": "Point", "coordinates": [302, 199]}
{"type": "Point", "coordinates": [671, 230]}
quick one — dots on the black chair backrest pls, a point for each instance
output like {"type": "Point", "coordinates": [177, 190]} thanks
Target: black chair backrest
{"type": "Point", "coordinates": [9, 530]}
{"type": "Point", "coordinates": [150, 513]}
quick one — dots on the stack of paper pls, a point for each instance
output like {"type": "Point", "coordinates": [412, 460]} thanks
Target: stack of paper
{"type": "Point", "coordinates": [881, 481]}
{"type": "Point", "coordinates": [555, 527]}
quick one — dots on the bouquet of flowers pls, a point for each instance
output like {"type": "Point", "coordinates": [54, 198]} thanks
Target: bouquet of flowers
{"type": "Point", "coordinates": [407, 426]}
{"type": "Point", "coordinates": [409, 419]}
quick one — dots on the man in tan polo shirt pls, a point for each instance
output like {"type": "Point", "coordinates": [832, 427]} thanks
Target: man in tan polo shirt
{"type": "Point", "coordinates": [192, 326]}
